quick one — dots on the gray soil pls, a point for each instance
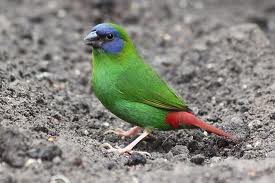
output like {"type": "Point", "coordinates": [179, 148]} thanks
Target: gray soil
{"type": "Point", "coordinates": [218, 55]}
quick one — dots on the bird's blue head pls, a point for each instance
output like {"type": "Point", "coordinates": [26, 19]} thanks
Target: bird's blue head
{"type": "Point", "coordinates": [107, 37]}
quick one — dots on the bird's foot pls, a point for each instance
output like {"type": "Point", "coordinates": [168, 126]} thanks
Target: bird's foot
{"type": "Point", "coordinates": [131, 132]}
{"type": "Point", "coordinates": [128, 149]}
{"type": "Point", "coordinates": [123, 150]}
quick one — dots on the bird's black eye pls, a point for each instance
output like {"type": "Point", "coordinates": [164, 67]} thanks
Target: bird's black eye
{"type": "Point", "coordinates": [110, 36]}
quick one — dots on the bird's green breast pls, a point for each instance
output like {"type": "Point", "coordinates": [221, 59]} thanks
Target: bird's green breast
{"type": "Point", "coordinates": [104, 76]}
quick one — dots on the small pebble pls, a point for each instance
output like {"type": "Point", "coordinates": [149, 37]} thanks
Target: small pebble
{"type": "Point", "coordinates": [179, 149]}
{"type": "Point", "coordinates": [193, 146]}
{"type": "Point", "coordinates": [198, 159]}
{"type": "Point", "coordinates": [51, 139]}
{"type": "Point", "coordinates": [272, 115]}
{"type": "Point", "coordinates": [85, 132]}
{"type": "Point", "coordinates": [257, 144]}
{"type": "Point", "coordinates": [57, 160]}
{"type": "Point", "coordinates": [59, 179]}
{"type": "Point", "coordinates": [30, 161]}
{"type": "Point", "coordinates": [106, 124]}
{"type": "Point", "coordinates": [248, 147]}
{"type": "Point", "coordinates": [77, 161]}
{"type": "Point", "coordinates": [111, 165]}
{"type": "Point", "coordinates": [136, 159]}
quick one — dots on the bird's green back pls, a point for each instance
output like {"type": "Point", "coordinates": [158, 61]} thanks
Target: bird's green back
{"type": "Point", "coordinates": [138, 82]}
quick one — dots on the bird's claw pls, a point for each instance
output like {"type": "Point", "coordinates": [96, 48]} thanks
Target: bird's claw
{"type": "Point", "coordinates": [110, 148]}
{"type": "Point", "coordinates": [120, 151]}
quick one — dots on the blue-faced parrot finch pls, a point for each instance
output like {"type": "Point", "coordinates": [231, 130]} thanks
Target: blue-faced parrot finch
{"type": "Point", "coordinates": [131, 90]}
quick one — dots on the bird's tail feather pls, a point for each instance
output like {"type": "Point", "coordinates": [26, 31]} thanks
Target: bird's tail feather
{"type": "Point", "coordinates": [175, 119]}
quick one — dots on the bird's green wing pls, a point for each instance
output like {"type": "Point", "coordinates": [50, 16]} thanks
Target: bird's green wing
{"type": "Point", "coordinates": [140, 83]}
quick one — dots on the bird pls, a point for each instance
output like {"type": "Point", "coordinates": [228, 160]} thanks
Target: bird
{"type": "Point", "coordinates": [129, 88]}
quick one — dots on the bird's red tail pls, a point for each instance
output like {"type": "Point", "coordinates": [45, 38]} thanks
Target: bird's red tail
{"type": "Point", "coordinates": [175, 119]}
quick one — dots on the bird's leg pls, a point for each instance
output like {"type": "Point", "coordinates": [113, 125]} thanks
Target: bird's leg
{"type": "Point", "coordinates": [129, 147]}
{"type": "Point", "coordinates": [131, 132]}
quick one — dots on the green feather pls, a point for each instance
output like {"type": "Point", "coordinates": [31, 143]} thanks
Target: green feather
{"type": "Point", "coordinates": [145, 86]}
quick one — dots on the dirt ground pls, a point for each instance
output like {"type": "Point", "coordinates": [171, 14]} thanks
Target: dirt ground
{"type": "Point", "coordinates": [218, 55]}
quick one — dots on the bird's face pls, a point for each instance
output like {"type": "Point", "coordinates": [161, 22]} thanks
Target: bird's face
{"type": "Point", "coordinates": [105, 37]}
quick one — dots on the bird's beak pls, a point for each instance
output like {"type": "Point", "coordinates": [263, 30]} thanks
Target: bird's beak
{"type": "Point", "coordinates": [93, 39]}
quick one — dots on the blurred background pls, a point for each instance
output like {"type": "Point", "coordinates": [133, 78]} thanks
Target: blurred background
{"type": "Point", "coordinates": [218, 54]}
